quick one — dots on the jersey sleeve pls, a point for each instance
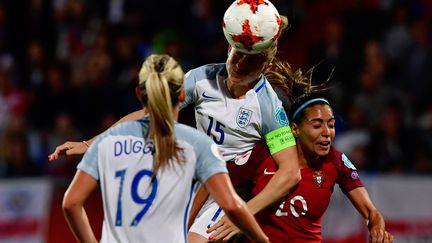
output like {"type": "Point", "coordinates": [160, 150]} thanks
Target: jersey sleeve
{"type": "Point", "coordinates": [275, 128]}
{"type": "Point", "coordinates": [209, 161]}
{"type": "Point", "coordinates": [89, 162]}
{"type": "Point", "coordinates": [189, 85]}
{"type": "Point", "coordinates": [348, 178]}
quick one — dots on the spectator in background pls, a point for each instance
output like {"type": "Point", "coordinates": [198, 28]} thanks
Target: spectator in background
{"type": "Point", "coordinates": [51, 98]}
{"type": "Point", "coordinates": [33, 74]}
{"type": "Point", "coordinates": [392, 143]}
{"type": "Point", "coordinates": [15, 159]}
{"type": "Point", "coordinates": [63, 128]}
{"type": "Point", "coordinates": [14, 101]}
{"type": "Point", "coordinates": [354, 137]}
{"type": "Point", "coordinates": [328, 52]}
{"type": "Point", "coordinates": [417, 72]}
{"type": "Point", "coordinates": [373, 90]}
{"type": "Point", "coordinates": [398, 38]}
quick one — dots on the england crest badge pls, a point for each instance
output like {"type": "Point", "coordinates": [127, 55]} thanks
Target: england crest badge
{"type": "Point", "coordinates": [243, 117]}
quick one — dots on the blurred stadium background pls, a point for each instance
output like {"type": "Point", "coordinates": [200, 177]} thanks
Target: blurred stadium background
{"type": "Point", "coordinates": [68, 69]}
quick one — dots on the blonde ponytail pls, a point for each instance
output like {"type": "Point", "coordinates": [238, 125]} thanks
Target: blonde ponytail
{"type": "Point", "coordinates": [161, 80]}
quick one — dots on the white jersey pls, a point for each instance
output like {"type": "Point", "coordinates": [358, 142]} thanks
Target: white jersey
{"type": "Point", "coordinates": [138, 208]}
{"type": "Point", "coordinates": [237, 125]}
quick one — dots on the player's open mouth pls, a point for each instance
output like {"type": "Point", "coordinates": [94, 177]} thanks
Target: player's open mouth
{"type": "Point", "coordinates": [324, 144]}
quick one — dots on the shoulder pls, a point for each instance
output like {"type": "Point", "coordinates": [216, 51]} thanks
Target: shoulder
{"type": "Point", "coordinates": [271, 107]}
{"type": "Point", "coordinates": [128, 128]}
{"type": "Point", "coordinates": [191, 135]}
{"type": "Point", "coordinates": [348, 177]}
{"type": "Point", "coordinates": [340, 160]}
{"type": "Point", "coordinates": [266, 94]}
{"type": "Point", "coordinates": [208, 71]}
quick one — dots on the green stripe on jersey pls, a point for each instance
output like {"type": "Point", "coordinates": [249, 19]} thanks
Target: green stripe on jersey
{"type": "Point", "coordinates": [279, 139]}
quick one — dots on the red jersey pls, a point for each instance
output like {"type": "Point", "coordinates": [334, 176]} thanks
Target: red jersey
{"type": "Point", "coordinates": [298, 217]}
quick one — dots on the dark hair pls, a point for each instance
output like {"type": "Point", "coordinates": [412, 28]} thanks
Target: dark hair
{"type": "Point", "coordinates": [296, 113]}
{"type": "Point", "coordinates": [296, 86]}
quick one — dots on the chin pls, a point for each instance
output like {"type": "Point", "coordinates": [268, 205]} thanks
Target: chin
{"type": "Point", "coordinates": [322, 153]}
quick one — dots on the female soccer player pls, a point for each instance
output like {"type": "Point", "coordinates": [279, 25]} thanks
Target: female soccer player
{"type": "Point", "coordinates": [237, 107]}
{"type": "Point", "coordinates": [298, 217]}
{"type": "Point", "coordinates": [145, 170]}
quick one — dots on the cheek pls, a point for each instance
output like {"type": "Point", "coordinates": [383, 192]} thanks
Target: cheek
{"type": "Point", "coordinates": [307, 139]}
{"type": "Point", "coordinates": [332, 134]}
{"type": "Point", "coordinates": [313, 135]}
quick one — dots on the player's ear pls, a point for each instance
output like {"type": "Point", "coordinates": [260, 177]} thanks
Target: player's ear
{"type": "Point", "coordinates": [267, 67]}
{"type": "Point", "coordinates": [182, 95]}
{"type": "Point", "coordinates": [229, 49]}
{"type": "Point", "coordinates": [294, 129]}
{"type": "Point", "coordinates": [138, 93]}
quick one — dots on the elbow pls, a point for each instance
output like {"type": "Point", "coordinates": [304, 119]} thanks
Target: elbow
{"type": "Point", "coordinates": [233, 207]}
{"type": "Point", "coordinates": [293, 178]}
{"type": "Point", "coordinates": [296, 177]}
{"type": "Point", "coordinates": [68, 204]}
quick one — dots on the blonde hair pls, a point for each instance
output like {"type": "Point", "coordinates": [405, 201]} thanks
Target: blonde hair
{"type": "Point", "coordinates": [160, 83]}
{"type": "Point", "coordinates": [270, 53]}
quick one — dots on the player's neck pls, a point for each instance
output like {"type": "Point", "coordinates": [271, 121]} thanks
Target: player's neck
{"type": "Point", "coordinates": [176, 111]}
{"type": "Point", "coordinates": [238, 90]}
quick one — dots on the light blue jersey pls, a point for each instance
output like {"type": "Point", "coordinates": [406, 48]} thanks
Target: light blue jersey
{"type": "Point", "coordinates": [237, 125]}
{"type": "Point", "coordinates": [138, 208]}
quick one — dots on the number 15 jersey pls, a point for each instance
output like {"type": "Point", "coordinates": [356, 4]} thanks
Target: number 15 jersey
{"type": "Point", "coordinates": [237, 125]}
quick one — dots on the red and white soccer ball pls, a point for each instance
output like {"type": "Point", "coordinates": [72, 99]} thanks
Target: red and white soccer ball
{"type": "Point", "coordinates": [251, 26]}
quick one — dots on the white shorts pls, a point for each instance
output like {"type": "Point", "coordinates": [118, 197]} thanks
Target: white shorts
{"type": "Point", "coordinates": [208, 215]}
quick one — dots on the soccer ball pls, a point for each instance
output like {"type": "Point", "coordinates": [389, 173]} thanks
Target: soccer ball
{"type": "Point", "coordinates": [251, 26]}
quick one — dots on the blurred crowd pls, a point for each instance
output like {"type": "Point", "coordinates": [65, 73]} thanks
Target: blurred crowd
{"type": "Point", "coordinates": [68, 69]}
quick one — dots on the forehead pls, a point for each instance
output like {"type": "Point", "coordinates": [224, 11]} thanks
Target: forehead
{"type": "Point", "coordinates": [239, 54]}
{"type": "Point", "coordinates": [318, 111]}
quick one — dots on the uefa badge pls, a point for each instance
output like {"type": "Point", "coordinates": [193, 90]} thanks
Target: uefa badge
{"type": "Point", "coordinates": [281, 116]}
{"type": "Point", "coordinates": [318, 178]}
{"type": "Point", "coordinates": [243, 117]}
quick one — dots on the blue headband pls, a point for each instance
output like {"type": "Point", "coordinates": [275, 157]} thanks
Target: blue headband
{"type": "Point", "coordinates": [308, 103]}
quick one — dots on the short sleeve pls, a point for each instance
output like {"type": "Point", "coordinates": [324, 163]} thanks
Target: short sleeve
{"type": "Point", "coordinates": [189, 85]}
{"type": "Point", "coordinates": [89, 162]}
{"type": "Point", "coordinates": [348, 175]}
{"type": "Point", "coordinates": [209, 160]}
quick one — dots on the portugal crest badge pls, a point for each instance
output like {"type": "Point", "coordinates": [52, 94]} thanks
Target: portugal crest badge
{"type": "Point", "coordinates": [318, 178]}
{"type": "Point", "coordinates": [243, 117]}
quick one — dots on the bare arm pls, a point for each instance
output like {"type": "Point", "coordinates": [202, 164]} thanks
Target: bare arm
{"type": "Point", "coordinates": [220, 187]}
{"type": "Point", "coordinates": [79, 148]}
{"type": "Point", "coordinates": [198, 202]}
{"type": "Point", "coordinates": [73, 206]}
{"type": "Point", "coordinates": [376, 225]}
{"type": "Point", "coordinates": [286, 177]}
